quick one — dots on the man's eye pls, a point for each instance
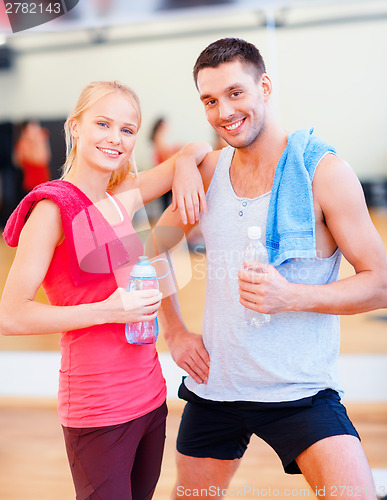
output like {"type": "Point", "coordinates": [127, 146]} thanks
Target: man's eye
{"type": "Point", "coordinates": [211, 102]}
{"type": "Point", "coordinates": [236, 93]}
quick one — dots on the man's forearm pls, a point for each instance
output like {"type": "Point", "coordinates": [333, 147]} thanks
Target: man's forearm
{"type": "Point", "coordinates": [187, 348]}
{"type": "Point", "coordinates": [360, 293]}
{"type": "Point", "coordinates": [271, 293]}
{"type": "Point", "coordinates": [170, 318]}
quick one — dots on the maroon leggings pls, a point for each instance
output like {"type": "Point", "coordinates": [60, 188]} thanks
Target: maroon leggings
{"type": "Point", "coordinates": [118, 462]}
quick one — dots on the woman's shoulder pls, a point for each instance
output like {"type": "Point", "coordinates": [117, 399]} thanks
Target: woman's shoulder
{"type": "Point", "coordinates": [44, 222]}
{"type": "Point", "coordinates": [51, 201]}
{"type": "Point", "coordinates": [46, 208]}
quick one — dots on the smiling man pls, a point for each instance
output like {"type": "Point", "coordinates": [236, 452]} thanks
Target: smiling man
{"type": "Point", "coordinates": [279, 381]}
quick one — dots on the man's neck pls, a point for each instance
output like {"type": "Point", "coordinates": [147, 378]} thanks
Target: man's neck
{"type": "Point", "coordinates": [252, 170]}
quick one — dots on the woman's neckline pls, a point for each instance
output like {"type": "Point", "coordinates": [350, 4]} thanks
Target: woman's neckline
{"type": "Point", "coordinates": [90, 202]}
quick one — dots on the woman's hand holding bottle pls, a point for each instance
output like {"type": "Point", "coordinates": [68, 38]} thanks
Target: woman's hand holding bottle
{"type": "Point", "coordinates": [131, 307]}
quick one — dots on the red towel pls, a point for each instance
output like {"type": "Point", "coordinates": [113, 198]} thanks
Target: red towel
{"type": "Point", "coordinates": [92, 245]}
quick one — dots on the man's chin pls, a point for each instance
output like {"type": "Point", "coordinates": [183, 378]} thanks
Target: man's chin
{"type": "Point", "coordinates": [235, 143]}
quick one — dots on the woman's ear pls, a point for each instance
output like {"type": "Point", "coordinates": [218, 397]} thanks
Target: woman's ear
{"type": "Point", "coordinates": [74, 129]}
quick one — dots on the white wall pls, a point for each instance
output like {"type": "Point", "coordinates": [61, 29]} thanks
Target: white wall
{"type": "Point", "coordinates": [336, 80]}
{"type": "Point", "coordinates": [331, 77]}
{"type": "Point", "coordinates": [362, 377]}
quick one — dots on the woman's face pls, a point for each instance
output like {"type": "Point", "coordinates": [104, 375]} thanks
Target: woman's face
{"type": "Point", "coordinates": [106, 133]}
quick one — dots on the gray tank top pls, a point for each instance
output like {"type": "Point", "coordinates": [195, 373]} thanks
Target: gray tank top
{"type": "Point", "coordinates": [293, 356]}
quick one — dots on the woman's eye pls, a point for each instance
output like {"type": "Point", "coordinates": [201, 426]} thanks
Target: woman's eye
{"type": "Point", "coordinates": [127, 131]}
{"type": "Point", "coordinates": [102, 124]}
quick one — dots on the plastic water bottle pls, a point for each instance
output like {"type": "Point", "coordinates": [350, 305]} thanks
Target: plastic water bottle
{"type": "Point", "coordinates": [255, 258]}
{"type": "Point", "coordinates": [143, 277]}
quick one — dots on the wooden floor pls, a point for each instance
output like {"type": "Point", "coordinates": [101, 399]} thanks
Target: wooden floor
{"type": "Point", "coordinates": [33, 464]}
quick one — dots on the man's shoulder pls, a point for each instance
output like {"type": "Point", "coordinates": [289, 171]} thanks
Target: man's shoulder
{"type": "Point", "coordinates": [208, 166]}
{"type": "Point", "coordinates": [334, 180]}
{"type": "Point", "coordinates": [212, 159]}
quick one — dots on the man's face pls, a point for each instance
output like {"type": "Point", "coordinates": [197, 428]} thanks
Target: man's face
{"type": "Point", "coordinates": [234, 102]}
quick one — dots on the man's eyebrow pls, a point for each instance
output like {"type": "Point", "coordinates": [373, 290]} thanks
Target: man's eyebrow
{"type": "Point", "coordinates": [233, 87]}
{"type": "Point", "coordinates": [228, 89]}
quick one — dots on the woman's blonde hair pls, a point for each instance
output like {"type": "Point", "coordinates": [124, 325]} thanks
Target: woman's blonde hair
{"type": "Point", "coordinates": [89, 96]}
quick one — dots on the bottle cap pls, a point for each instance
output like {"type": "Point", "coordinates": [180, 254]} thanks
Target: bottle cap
{"type": "Point", "coordinates": [143, 269]}
{"type": "Point", "coordinates": [254, 233]}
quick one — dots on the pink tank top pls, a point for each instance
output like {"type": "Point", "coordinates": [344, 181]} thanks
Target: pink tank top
{"type": "Point", "coordinates": [103, 380]}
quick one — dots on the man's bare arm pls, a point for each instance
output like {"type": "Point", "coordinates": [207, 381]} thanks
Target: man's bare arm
{"type": "Point", "coordinates": [187, 348]}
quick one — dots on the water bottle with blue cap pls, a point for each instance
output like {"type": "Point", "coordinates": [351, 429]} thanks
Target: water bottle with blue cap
{"type": "Point", "coordinates": [143, 277]}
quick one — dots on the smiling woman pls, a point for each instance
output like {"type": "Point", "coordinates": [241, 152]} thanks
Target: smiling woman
{"type": "Point", "coordinates": [110, 106]}
{"type": "Point", "coordinates": [104, 137]}
{"type": "Point", "coordinates": [111, 399]}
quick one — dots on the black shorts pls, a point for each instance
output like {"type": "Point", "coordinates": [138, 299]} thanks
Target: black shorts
{"type": "Point", "coordinates": [222, 430]}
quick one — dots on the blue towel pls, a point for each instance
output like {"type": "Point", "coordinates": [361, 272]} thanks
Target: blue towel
{"type": "Point", "coordinates": [290, 227]}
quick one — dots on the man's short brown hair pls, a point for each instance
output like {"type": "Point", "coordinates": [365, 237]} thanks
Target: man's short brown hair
{"type": "Point", "coordinates": [228, 50]}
